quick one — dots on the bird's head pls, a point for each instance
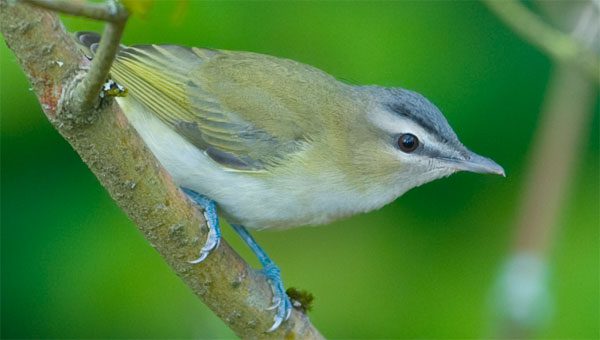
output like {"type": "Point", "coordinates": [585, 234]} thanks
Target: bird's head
{"type": "Point", "coordinates": [412, 143]}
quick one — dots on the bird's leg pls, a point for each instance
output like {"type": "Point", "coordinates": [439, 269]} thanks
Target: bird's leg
{"type": "Point", "coordinates": [281, 301]}
{"type": "Point", "coordinates": [212, 220]}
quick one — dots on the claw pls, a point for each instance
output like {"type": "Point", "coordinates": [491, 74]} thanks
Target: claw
{"type": "Point", "coordinates": [278, 321]}
{"type": "Point", "coordinates": [281, 302]}
{"type": "Point", "coordinates": [212, 220]}
{"type": "Point", "coordinates": [199, 259]}
{"type": "Point", "coordinates": [211, 244]}
{"type": "Point", "coordinates": [276, 303]}
{"type": "Point", "coordinates": [289, 313]}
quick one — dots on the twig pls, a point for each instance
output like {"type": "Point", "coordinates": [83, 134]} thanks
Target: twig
{"type": "Point", "coordinates": [522, 296]}
{"type": "Point", "coordinates": [101, 12]}
{"type": "Point", "coordinates": [85, 96]}
{"type": "Point", "coordinates": [87, 91]}
{"type": "Point", "coordinates": [235, 292]}
{"type": "Point", "coordinates": [555, 43]}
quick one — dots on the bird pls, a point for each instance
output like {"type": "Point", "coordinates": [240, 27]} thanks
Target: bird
{"type": "Point", "coordinates": [272, 143]}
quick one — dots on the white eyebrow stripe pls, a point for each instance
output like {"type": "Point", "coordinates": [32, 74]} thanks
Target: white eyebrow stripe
{"type": "Point", "coordinates": [408, 114]}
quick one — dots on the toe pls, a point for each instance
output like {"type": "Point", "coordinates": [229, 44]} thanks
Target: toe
{"type": "Point", "coordinates": [281, 302]}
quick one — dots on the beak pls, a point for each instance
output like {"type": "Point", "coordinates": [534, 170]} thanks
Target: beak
{"type": "Point", "coordinates": [474, 163]}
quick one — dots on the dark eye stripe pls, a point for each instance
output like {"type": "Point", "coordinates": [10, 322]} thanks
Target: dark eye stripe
{"type": "Point", "coordinates": [401, 110]}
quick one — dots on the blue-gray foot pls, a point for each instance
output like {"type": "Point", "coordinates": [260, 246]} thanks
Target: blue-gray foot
{"type": "Point", "coordinates": [212, 220]}
{"type": "Point", "coordinates": [281, 301]}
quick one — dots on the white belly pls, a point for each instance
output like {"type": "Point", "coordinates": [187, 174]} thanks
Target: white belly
{"type": "Point", "coordinates": [253, 200]}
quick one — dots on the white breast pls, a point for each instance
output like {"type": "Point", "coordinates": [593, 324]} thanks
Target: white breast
{"type": "Point", "coordinates": [254, 200]}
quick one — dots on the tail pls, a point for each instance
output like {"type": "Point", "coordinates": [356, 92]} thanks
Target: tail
{"type": "Point", "coordinates": [89, 42]}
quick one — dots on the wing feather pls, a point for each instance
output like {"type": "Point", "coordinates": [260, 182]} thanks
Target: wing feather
{"type": "Point", "coordinates": [236, 106]}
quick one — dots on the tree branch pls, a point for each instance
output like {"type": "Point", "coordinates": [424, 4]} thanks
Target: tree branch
{"type": "Point", "coordinates": [555, 43]}
{"type": "Point", "coordinates": [114, 152]}
{"type": "Point", "coordinates": [523, 298]}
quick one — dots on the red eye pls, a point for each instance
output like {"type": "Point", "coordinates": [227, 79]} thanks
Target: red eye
{"type": "Point", "coordinates": [408, 142]}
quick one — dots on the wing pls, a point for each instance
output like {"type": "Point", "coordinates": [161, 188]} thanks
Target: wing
{"type": "Point", "coordinates": [247, 111]}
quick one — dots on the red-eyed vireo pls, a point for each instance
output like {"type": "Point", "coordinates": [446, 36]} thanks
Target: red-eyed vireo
{"type": "Point", "coordinates": [276, 143]}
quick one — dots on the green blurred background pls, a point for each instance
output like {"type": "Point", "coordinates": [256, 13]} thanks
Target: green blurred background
{"type": "Point", "coordinates": [74, 266]}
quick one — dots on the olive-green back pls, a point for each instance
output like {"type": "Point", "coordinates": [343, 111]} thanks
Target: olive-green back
{"type": "Point", "coordinates": [247, 111]}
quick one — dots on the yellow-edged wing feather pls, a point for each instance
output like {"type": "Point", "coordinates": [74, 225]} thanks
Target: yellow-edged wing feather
{"type": "Point", "coordinates": [247, 111]}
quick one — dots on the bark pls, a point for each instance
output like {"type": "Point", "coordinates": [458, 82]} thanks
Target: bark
{"type": "Point", "coordinates": [111, 148]}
